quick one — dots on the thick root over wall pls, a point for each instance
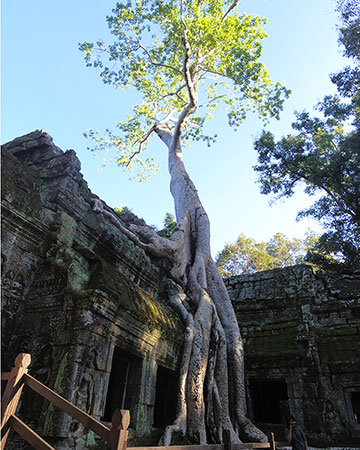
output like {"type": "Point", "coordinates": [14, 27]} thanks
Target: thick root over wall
{"type": "Point", "coordinates": [211, 395]}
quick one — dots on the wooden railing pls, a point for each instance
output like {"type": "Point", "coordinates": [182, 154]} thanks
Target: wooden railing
{"type": "Point", "coordinates": [116, 436]}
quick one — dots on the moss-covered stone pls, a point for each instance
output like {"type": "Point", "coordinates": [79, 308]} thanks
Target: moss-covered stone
{"type": "Point", "coordinates": [75, 288]}
{"type": "Point", "coordinates": [303, 328]}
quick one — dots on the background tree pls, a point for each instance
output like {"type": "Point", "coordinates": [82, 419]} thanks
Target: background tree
{"type": "Point", "coordinates": [185, 58]}
{"type": "Point", "coordinates": [248, 256]}
{"type": "Point", "coordinates": [170, 223]}
{"type": "Point", "coordinates": [324, 155]}
{"type": "Point", "coordinates": [244, 256]}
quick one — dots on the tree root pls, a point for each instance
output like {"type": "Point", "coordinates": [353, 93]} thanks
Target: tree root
{"type": "Point", "coordinates": [211, 395]}
{"type": "Point", "coordinates": [178, 428]}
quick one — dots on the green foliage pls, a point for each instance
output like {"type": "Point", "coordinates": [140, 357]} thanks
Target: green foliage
{"type": "Point", "coordinates": [169, 223]}
{"type": "Point", "coordinates": [176, 54]}
{"type": "Point", "coordinates": [332, 252]}
{"type": "Point", "coordinates": [248, 256]}
{"type": "Point", "coordinates": [324, 155]}
{"type": "Point", "coordinates": [349, 31]}
{"type": "Point", "coordinates": [122, 210]}
{"type": "Point", "coordinates": [84, 187]}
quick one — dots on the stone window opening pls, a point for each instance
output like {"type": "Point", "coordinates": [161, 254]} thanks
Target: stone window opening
{"type": "Point", "coordinates": [269, 401]}
{"type": "Point", "coordinates": [165, 397]}
{"type": "Point", "coordinates": [124, 383]}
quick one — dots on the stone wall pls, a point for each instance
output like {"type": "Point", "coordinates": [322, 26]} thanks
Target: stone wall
{"type": "Point", "coordinates": [74, 289]}
{"type": "Point", "coordinates": [302, 348]}
{"type": "Point", "coordinates": [85, 302]}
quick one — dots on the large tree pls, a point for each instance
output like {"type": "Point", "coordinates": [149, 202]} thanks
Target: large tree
{"type": "Point", "coordinates": [246, 255]}
{"type": "Point", "coordinates": [324, 155]}
{"type": "Point", "coordinates": [185, 58]}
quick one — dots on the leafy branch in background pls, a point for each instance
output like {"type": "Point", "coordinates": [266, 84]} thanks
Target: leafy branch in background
{"type": "Point", "coordinates": [324, 156]}
{"type": "Point", "coordinates": [170, 223]}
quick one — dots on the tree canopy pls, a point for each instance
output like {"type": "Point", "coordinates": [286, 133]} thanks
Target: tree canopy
{"type": "Point", "coordinates": [324, 155]}
{"type": "Point", "coordinates": [185, 58]}
{"type": "Point", "coordinates": [247, 255]}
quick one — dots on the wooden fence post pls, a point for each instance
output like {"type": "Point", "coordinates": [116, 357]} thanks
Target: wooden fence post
{"type": "Point", "coordinates": [12, 393]}
{"type": "Point", "coordinates": [272, 441]}
{"type": "Point", "coordinates": [118, 432]}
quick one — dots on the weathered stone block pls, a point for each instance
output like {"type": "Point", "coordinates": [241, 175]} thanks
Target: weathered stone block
{"type": "Point", "coordinates": [303, 328]}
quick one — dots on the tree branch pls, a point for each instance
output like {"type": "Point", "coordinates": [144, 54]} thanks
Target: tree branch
{"type": "Point", "coordinates": [206, 70]}
{"type": "Point", "coordinates": [218, 97]}
{"type": "Point", "coordinates": [176, 93]}
{"type": "Point", "coordinates": [164, 133]}
{"type": "Point", "coordinates": [232, 7]}
{"type": "Point", "coordinates": [192, 105]}
{"type": "Point", "coordinates": [154, 63]}
{"type": "Point", "coordinates": [294, 169]}
{"type": "Point", "coordinates": [143, 141]}
{"type": "Point", "coordinates": [158, 246]}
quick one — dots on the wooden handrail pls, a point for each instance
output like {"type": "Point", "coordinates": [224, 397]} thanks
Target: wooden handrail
{"type": "Point", "coordinates": [29, 435]}
{"type": "Point", "coordinates": [116, 436]}
{"type": "Point", "coordinates": [5, 376]}
{"type": "Point", "coordinates": [66, 406]}
{"type": "Point", "coordinates": [272, 441]}
{"type": "Point", "coordinates": [12, 393]}
{"type": "Point", "coordinates": [118, 433]}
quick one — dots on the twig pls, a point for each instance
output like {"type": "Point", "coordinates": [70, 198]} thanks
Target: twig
{"type": "Point", "coordinates": [148, 134]}
{"type": "Point", "coordinates": [154, 63]}
{"type": "Point", "coordinates": [232, 7]}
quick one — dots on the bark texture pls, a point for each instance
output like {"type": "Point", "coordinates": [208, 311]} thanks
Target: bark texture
{"type": "Point", "coordinates": [211, 387]}
{"type": "Point", "coordinates": [212, 393]}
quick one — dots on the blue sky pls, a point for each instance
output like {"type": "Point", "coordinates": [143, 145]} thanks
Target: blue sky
{"type": "Point", "coordinates": [45, 85]}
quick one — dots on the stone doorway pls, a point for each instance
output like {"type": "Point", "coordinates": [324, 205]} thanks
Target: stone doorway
{"type": "Point", "coordinates": [269, 401]}
{"type": "Point", "coordinates": [124, 384]}
{"type": "Point", "coordinates": [166, 397]}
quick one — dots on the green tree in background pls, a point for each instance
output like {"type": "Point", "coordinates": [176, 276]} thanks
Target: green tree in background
{"type": "Point", "coordinates": [170, 223]}
{"type": "Point", "coordinates": [185, 58]}
{"type": "Point", "coordinates": [324, 155]}
{"type": "Point", "coordinates": [244, 256]}
{"type": "Point", "coordinates": [248, 256]}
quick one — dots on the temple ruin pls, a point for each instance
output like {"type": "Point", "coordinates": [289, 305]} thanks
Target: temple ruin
{"type": "Point", "coordinates": [88, 305]}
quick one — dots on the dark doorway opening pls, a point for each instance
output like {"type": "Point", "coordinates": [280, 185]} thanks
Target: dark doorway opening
{"type": "Point", "coordinates": [268, 399]}
{"type": "Point", "coordinates": [124, 384]}
{"type": "Point", "coordinates": [355, 403]}
{"type": "Point", "coordinates": [166, 397]}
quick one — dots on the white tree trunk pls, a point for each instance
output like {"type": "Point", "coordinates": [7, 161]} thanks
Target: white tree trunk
{"type": "Point", "coordinates": [212, 392]}
{"type": "Point", "coordinates": [211, 380]}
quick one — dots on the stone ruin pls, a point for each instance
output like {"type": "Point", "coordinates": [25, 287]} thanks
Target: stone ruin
{"type": "Point", "coordinates": [301, 335]}
{"type": "Point", "coordinates": [88, 305]}
{"type": "Point", "coordinates": [82, 299]}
